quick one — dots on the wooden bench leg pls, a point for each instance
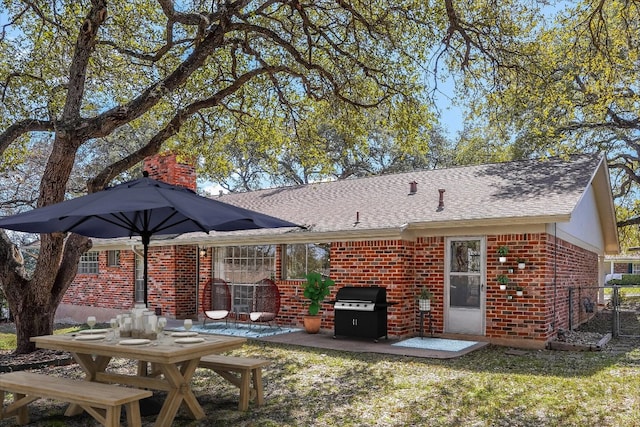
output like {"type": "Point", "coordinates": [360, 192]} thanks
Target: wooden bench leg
{"type": "Point", "coordinates": [21, 412]}
{"type": "Point", "coordinates": [112, 417]}
{"type": "Point", "coordinates": [248, 378]}
{"type": "Point", "coordinates": [245, 389]}
{"type": "Point", "coordinates": [133, 414]}
{"type": "Point", "coordinates": [257, 386]}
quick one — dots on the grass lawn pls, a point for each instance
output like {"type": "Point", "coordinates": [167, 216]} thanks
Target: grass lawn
{"type": "Point", "coordinates": [8, 340]}
{"type": "Point", "coordinates": [488, 387]}
{"type": "Point", "coordinates": [485, 387]}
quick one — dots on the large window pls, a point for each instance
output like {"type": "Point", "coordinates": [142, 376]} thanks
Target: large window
{"type": "Point", "coordinates": [301, 259]}
{"type": "Point", "coordinates": [88, 263]}
{"type": "Point", "coordinates": [242, 267]}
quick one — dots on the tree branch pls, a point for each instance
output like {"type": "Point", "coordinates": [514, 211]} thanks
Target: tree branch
{"type": "Point", "coordinates": [23, 127]}
{"type": "Point", "coordinates": [172, 128]}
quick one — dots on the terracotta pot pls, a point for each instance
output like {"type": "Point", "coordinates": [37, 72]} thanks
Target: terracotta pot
{"type": "Point", "coordinates": [312, 323]}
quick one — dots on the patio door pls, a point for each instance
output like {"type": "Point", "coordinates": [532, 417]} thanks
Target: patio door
{"type": "Point", "coordinates": [465, 286]}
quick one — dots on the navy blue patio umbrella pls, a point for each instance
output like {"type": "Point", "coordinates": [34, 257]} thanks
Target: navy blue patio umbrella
{"type": "Point", "coordinates": [143, 207]}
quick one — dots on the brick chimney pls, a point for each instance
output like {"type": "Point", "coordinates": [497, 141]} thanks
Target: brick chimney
{"type": "Point", "coordinates": [165, 167]}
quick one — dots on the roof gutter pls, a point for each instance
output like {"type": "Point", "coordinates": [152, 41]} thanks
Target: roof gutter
{"type": "Point", "coordinates": [491, 222]}
{"type": "Point", "coordinates": [307, 236]}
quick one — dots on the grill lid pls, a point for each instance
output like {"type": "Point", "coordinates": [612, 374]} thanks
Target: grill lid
{"type": "Point", "coordinates": [375, 294]}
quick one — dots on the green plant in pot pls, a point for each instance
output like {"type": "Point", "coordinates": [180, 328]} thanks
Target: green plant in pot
{"type": "Point", "coordinates": [316, 289]}
{"type": "Point", "coordinates": [503, 281]}
{"type": "Point", "coordinates": [424, 300]}
{"type": "Point", "coordinates": [502, 253]}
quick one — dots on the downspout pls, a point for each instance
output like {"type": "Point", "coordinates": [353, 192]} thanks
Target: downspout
{"type": "Point", "coordinates": [197, 279]}
{"type": "Point", "coordinates": [141, 255]}
{"type": "Point", "coordinates": [555, 274]}
{"type": "Point", "coordinates": [134, 250]}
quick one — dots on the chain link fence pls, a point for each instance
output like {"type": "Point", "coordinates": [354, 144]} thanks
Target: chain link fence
{"type": "Point", "coordinates": [619, 305]}
{"type": "Point", "coordinates": [625, 306]}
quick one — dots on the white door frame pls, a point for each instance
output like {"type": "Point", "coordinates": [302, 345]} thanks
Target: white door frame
{"type": "Point", "coordinates": [465, 308]}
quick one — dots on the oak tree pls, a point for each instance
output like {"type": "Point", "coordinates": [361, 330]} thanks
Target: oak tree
{"type": "Point", "coordinates": [200, 76]}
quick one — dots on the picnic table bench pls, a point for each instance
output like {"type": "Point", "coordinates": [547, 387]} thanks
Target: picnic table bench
{"type": "Point", "coordinates": [250, 371]}
{"type": "Point", "coordinates": [102, 401]}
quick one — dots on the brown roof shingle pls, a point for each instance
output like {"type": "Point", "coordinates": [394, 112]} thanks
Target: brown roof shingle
{"type": "Point", "coordinates": [515, 190]}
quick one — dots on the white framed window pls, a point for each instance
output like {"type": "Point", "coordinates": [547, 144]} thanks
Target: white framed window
{"type": "Point", "coordinates": [242, 267]}
{"type": "Point", "coordinates": [113, 258]}
{"type": "Point", "coordinates": [301, 259]}
{"type": "Point", "coordinates": [89, 263]}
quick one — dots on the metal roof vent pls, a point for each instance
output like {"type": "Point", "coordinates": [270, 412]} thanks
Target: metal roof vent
{"type": "Point", "coordinates": [413, 188]}
{"type": "Point", "coordinates": [441, 201]}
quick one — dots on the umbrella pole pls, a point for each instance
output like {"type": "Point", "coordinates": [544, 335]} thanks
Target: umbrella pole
{"type": "Point", "coordinates": [145, 245]}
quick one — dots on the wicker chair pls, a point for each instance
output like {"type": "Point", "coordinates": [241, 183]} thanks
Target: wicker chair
{"type": "Point", "coordinates": [216, 304]}
{"type": "Point", "coordinates": [266, 303]}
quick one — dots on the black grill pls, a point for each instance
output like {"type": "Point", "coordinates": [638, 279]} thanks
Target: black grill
{"type": "Point", "coordinates": [361, 312]}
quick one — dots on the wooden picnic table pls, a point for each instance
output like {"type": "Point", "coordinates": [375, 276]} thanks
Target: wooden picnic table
{"type": "Point", "coordinates": [173, 365]}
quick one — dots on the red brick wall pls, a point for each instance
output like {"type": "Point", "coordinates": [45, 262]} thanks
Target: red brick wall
{"type": "Point", "coordinates": [576, 268]}
{"type": "Point", "coordinates": [387, 263]}
{"type": "Point", "coordinates": [621, 267]}
{"type": "Point", "coordinates": [165, 167]}
{"type": "Point", "coordinates": [508, 315]}
{"type": "Point", "coordinates": [113, 288]}
{"type": "Point", "coordinates": [429, 268]}
{"type": "Point", "coordinates": [171, 282]}
{"type": "Point", "coordinates": [402, 267]}
{"type": "Point", "coordinates": [546, 280]}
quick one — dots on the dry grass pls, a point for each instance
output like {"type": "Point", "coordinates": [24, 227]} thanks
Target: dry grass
{"type": "Point", "coordinates": [489, 387]}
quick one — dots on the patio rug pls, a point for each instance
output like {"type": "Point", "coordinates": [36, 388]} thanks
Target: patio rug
{"type": "Point", "coordinates": [439, 344]}
{"type": "Point", "coordinates": [239, 330]}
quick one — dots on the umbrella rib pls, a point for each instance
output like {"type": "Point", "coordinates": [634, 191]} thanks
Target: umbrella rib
{"type": "Point", "coordinates": [161, 226]}
{"type": "Point", "coordinates": [123, 222]}
{"type": "Point", "coordinates": [120, 220]}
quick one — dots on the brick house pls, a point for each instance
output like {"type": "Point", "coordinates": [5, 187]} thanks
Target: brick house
{"type": "Point", "coordinates": [618, 265]}
{"type": "Point", "coordinates": [439, 229]}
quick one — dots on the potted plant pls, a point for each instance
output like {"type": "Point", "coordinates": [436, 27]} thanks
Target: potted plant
{"type": "Point", "coordinates": [503, 281]}
{"type": "Point", "coordinates": [316, 288]}
{"type": "Point", "coordinates": [424, 300]}
{"type": "Point", "coordinates": [519, 291]}
{"type": "Point", "coordinates": [502, 252]}
{"type": "Point", "coordinates": [522, 263]}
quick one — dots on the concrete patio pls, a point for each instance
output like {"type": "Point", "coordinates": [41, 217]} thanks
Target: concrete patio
{"type": "Point", "coordinates": [324, 339]}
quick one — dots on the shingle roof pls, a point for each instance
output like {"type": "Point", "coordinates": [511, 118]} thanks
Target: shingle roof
{"type": "Point", "coordinates": [518, 191]}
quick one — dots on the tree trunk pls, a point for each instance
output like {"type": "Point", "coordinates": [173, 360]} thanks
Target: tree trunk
{"type": "Point", "coordinates": [32, 321]}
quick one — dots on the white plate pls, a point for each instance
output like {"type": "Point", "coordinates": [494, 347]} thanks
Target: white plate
{"type": "Point", "coordinates": [93, 331]}
{"type": "Point", "coordinates": [135, 341]}
{"type": "Point", "coordinates": [189, 340]}
{"type": "Point", "coordinates": [184, 334]}
{"type": "Point", "coordinates": [90, 337]}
